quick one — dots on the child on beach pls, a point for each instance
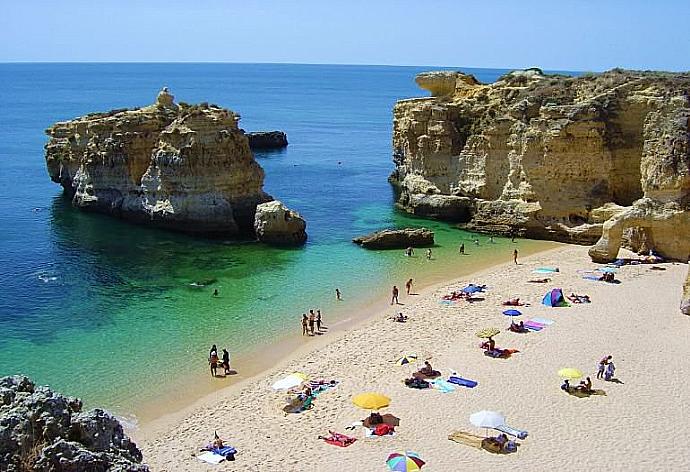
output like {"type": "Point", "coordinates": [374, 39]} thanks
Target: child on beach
{"type": "Point", "coordinates": [394, 297]}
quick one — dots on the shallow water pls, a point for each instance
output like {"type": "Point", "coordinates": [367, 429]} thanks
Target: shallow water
{"type": "Point", "coordinates": [114, 312]}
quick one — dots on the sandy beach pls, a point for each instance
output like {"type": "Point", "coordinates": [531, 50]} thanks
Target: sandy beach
{"type": "Point", "coordinates": [635, 426]}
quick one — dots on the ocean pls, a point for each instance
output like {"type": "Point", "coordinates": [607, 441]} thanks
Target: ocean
{"type": "Point", "coordinates": [113, 312]}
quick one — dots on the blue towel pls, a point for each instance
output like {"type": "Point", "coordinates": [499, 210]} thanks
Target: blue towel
{"type": "Point", "coordinates": [224, 451]}
{"type": "Point", "coordinates": [463, 382]}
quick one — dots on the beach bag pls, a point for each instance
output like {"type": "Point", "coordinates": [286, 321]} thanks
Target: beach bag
{"type": "Point", "coordinates": [383, 429]}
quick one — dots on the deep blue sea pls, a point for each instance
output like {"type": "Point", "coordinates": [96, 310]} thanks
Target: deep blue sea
{"type": "Point", "coordinates": [103, 309]}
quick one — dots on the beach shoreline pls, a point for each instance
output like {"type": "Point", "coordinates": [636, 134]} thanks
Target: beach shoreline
{"type": "Point", "coordinates": [248, 416]}
{"type": "Point", "coordinates": [195, 389]}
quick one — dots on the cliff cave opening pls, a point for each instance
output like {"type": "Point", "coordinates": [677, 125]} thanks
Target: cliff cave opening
{"type": "Point", "coordinates": [625, 140]}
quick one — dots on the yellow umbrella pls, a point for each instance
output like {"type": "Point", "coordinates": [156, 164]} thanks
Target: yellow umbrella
{"type": "Point", "coordinates": [569, 373]}
{"type": "Point", "coordinates": [371, 401]}
{"type": "Point", "coordinates": [488, 332]}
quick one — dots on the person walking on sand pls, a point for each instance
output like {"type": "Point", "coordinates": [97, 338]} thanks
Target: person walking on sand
{"type": "Point", "coordinates": [312, 320]}
{"type": "Point", "coordinates": [337, 294]}
{"type": "Point", "coordinates": [226, 361]}
{"type": "Point", "coordinates": [305, 324]}
{"type": "Point", "coordinates": [462, 248]}
{"type": "Point", "coordinates": [394, 297]}
{"type": "Point", "coordinates": [515, 254]}
{"type": "Point", "coordinates": [428, 254]}
{"type": "Point", "coordinates": [408, 286]}
{"type": "Point", "coordinates": [213, 360]}
{"type": "Point", "coordinates": [318, 320]}
{"type": "Point", "coordinates": [602, 366]}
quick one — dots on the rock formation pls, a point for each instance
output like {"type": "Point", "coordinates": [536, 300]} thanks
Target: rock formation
{"type": "Point", "coordinates": [41, 430]}
{"type": "Point", "coordinates": [396, 238]}
{"type": "Point", "coordinates": [267, 140]}
{"type": "Point", "coordinates": [276, 224]}
{"type": "Point", "coordinates": [566, 158]}
{"type": "Point", "coordinates": [181, 167]}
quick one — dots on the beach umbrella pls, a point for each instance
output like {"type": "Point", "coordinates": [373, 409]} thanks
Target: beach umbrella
{"type": "Point", "coordinates": [488, 332]}
{"type": "Point", "coordinates": [487, 419]}
{"type": "Point", "coordinates": [293, 380]}
{"type": "Point", "coordinates": [409, 359]}
{"type": "Point", "coordinates": [570, 373]}
{"type": "Point", "coordinates": [371, 400]}
{"type": "Point", "coordinates": [404, 462]}
{"type": "Point", "coordinates": [512, 312]}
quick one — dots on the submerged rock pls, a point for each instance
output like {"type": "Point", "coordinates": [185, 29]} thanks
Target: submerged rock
{"type": "Point", "coordinates": [42, 430]}
{"type": "Point", "coordinates": [181, 167]}
{"type": "Point", "coordinates": [552, 157]}
{"type": "Point", "coordinates": [267, 140]}
{"type": "Point", "coordinates": [396, 238]}
{"type": "Point", "coordinates": [276, 224]}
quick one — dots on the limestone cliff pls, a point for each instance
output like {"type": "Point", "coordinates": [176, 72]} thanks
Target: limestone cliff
{"type": "Point", "coordinates": [181, 167]}
{"type": "Point", "coordinates": [555, 157]}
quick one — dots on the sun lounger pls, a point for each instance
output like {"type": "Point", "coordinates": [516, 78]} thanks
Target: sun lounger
{"type": "Point", "coordinates": [518, 433]}
{"type": "Point", "coordinates": [462, 382]}
{"type": "Point", "coordinates": [468, 439]}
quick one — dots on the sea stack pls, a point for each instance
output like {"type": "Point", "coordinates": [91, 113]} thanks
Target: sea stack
{"type": "Point", "coordinates": [573, 159]}
{"type": "Point", "coordinates": [176, 166]}
{"type": "Point", "coordinates": [278, 225]}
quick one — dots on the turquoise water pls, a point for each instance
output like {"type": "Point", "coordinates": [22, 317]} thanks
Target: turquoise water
{"type": "Point", "coordinates": [105, 310]}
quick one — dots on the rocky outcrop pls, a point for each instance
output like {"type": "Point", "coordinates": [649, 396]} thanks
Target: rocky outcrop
{"type": "Point", "coordinates": [396, 238]}
{"type": "Point", "coordinates": [41, 430]}
{"type": "Point", "coordinates": [278, 225]}
{"type": "Point", "coordinates": [267, 140]}
{"type": "Point", "coordinates": [685, 302]}
{"type": "Point", "coordinates": [181, 167]}
{"type": "Point", "coordinates": [553, 157]}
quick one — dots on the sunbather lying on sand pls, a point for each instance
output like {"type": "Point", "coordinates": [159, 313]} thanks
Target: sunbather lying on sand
{"type": "Point", "coordinates": [399, 318]}
{"type": "Point", "coordinates": [573, 297]}
{"type": "Point", "coordinates": [517, 327]}
{"type": "Point", "coordinates": [513, 302]}
{"type": "Point", "coordinates": [540, 281]}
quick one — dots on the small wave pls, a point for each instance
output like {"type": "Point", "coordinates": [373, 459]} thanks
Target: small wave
{"type": "Point", "coordinates": [129, 422]}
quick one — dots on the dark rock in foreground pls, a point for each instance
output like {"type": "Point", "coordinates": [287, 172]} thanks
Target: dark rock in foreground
{"type": "Point", "coordinates": [267, 140]}
{"type": "Point", "coordinates": [41, 430]}
{"type": "Point", "coordinates": [396, 238]}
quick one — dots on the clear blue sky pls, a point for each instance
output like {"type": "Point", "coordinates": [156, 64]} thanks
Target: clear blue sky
{"type": "Point", "coordinates": [552, 34]}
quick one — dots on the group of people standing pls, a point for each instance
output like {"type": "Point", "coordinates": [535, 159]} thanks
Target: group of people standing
{"type": "Point", "coordinates": [311, 321]}
{"type": "Point", "coordinates": [214, 360]}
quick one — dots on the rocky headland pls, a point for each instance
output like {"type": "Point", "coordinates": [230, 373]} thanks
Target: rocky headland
{"type": "Point", "coordinates": [601, 158]}
{"type": "Point", "coordinates": [176, 166]}
{"type": "Point", "coordinates": [41, 430]}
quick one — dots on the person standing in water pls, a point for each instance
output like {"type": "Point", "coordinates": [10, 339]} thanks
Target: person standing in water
{"type": "Point", "coordinates": [337, 294]}
{"type": "Point", "coordinates": [305, 324]}
{"type": "Point", "coordinates": [408, 286]}
{"type": "Point", "coordinates": [318, 320]}
{"type": "Point", "coordinates": [491, 239]}
{"type": "Point", "coordinates": [428, 254]}
{"type": "Point", "coordinates": [226, 361]}
{"type": "Point", "coordinates": [213, 360]}
{"type": "Point", "coordinates": [462, 248]}
{"type": "Point", "coordinates": [515, 254]}
{"type": "Point", "coordinates": [312, 320]}
{"type": "Point", "coordinates": [394, 295]}
{"type": "Point", "coordinates": [409, 251]}
{"type": "Point", "coordinates": [215, 292]}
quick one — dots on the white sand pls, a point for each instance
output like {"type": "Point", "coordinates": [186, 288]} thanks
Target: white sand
{"type": "Point", "coordinates": [640, 424]}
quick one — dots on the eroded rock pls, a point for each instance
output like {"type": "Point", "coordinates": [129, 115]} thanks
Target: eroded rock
{"type": "Point", "coordinates": [685, 302]}
{"type": "Point", "coordinates": [551, 157]}
{"type": "Point", "coordinates": [396, 238]}
{"type": "Point", "coordinates": [267, 139]}
{"type": "Point", "coordinates": [278, 225]}
{"type": "Point", "coordinates": [42, 430]}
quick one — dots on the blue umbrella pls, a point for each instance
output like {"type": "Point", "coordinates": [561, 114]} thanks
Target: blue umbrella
{"type": "Point", "coordinates": [512, 313]}
{"type": "Point", "coordinates": [472, 289]}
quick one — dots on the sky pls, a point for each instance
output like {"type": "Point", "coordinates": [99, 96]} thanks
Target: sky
{"type": "Point", "coordinates": [583, 35]}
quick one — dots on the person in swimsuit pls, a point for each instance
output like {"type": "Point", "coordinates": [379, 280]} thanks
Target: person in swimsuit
{"type": "Point", "coordinates": [305, 324]}
{"type": "Point", "coordinates": [394, 295]}
{"type": "Point", "coordinates": [515, 254]}
{"type": "Point", "coordinates": [226, 361]}
{"type": "Point", "coordinates": [213, 360]}
{"type": "Point", "coordinates": [428, 254]}
{"type": "Point", "coordinates": [318, 320]}
{"type": "Point", "coordinates": [337, 294]}
{"type": "Point", "coordinates": [312, 320]}
{"type": "Point", "coordinates": [408, 286]}
{"type": "Point", "coordinates": [602, 366]}
{"type": "Point", "coordinates": [462, 248]}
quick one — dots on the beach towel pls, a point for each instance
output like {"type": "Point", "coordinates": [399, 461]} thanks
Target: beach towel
{"type": "Point", "coordinates": [443, 386]}
{"type": "Point", "coordinates": [454, 379]}
{"type": "Point", "coordinates": [468, 439]}
{"type": "Point", "coordinates": [591, 277]}
{"type": "Point", "coordinates": [369, 433]}
{"type": "Point", "coordinates": [543, 321]}
{"type": "Point", "coordinates": [510, 431]}
{"type": "Point", "coordinates": [545, 270]}
{"type": "Point", "coordinates": [340, 440]}
{"type": "Point", "coordinates": [533, 325]}
{"type": "Point", "coordinates": [320, 386]}
{"type": "Point", "coordinates": [210, 457]}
